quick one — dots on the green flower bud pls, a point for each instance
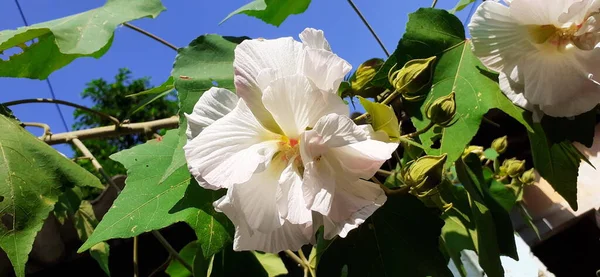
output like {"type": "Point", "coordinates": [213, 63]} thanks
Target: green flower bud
{"type": "Point", "coordinates": [442, 110]}
{"type": "Point", "coordinates": [364, 74]}
{"type": "Point", "coordinates": [415, 75]}
{"type": "Point", "coordinates": [500, 144]}
{"type": "Point", "coordinates": [513, 167]}
{"type": "Point", "coordinates": [528, 177]}
{"type": "Point", "coordinates": [425, 173]}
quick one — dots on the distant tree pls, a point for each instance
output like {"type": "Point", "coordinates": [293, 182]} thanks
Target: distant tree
{"type": "Point", "coordinates": [110, 98]}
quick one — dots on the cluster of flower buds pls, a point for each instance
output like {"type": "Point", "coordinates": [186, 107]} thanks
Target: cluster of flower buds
{"type": "Point", "coordinates": [423, 176]}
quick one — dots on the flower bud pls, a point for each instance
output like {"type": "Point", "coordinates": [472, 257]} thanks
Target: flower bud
{"type": "Point", "coordinates": [528, 177]}
{"type": "Point", "coordinates": [500, 144]}
{"type": "Point", "coordinates": [364, 74]}
{"type": "Point", "coordinates": [513, 167]}
{"type": "Point", "coordinates": [415, 75]}
{"type": "Point", "coordinates": [442, 110]}
{"type": "Point", "coordinates": [425, 173]}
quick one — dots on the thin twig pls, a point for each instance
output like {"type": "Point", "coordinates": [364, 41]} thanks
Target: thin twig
{"type": "Point", "coordinates": [385, 172]}
{"type": "Point", "coordinates": [136, 269]}
{"type": "Point", "coordinates": [171, 250]}
{"type": "Point", "coordinates": [434, 3]}
{"type": "Point", "coordinates": [86, 153]}
{"type": "Point", "coordinates": [151, 35]}
{"type": "Point", "coordinates": [364, 20]}
{"type": "Point", "coordinates": [40, 125]}
{"type": "Point", "coordinates": [66, 103]}
{"type": "Point", "coordinates": [162, 267]}
{"type": "Point", "coordinates": [418, 132]}
{"type": "Point", "coordinates": [113, 131]}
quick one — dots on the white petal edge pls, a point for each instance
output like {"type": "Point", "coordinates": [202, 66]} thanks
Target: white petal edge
{"type": "Point", "coordinates": [314, 39]}
{"type": "Point", "coordinates": [214, 104]}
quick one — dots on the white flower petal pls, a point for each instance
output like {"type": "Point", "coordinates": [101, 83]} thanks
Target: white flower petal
{"type": "Point", "coordinates": [284, 56]}
{"type": "Point", "coordinates": [257, 201]}
{"type": "Point", "coordinates": [231, 149]}
{"type": "Point", "coordinates": [498, 40]}
{"type": "Point", "coordinates": [212, 105]}
{"type": "Point", "coordinates": [325, 69]}
{"type": "Point", "coordinates": [288, 236]}
{"type": "Point", "coordinates": [362, 159]}
{"type": "Point", "coordinates": [290, 198]}
{"type": "Point", "coordinates": [319, 185]}
{"type": "Point", "coordinates": [330, 131]}
{"type": "Point", "coordinates": [296, 103]}
{"type": "Point", "coordinates": [540, 12]}
{"type": "Point", "coordinates": [353, 204]}
{"type": "Point", "coordinates": [560, 84]}
{"type": "Point", "coordinates": [314, 39]}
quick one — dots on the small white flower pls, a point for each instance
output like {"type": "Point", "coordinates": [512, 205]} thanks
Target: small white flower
{"type": "Point", "coordinates": [546, 51]}
{"type": "Point", "coordinates": [288, 154]}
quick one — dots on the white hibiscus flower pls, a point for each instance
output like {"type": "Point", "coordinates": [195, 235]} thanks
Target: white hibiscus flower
{"type": "Point", "coordinates": [546, 52]}
{"type": "Point", "coordinates": [288, 154]}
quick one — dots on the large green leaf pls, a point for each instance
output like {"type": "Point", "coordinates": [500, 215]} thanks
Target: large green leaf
{"type": "Point", "coordinates": [272, 11]}
{"type": "Point", "coordinates": [431, 32]}
{"type": "Point", "coordinates": [399, 239]}
{"type": "Point", "coordinates": [187, 253]}
{"type": "Point", "coordinates": [206, 62]}
{"type": "Point", "coordinates": [60, 41]}
{"type": "Point", "coordinates": [33, 176]}
{"type": "Point", "coordinates": [155, 198]}
{"type": "Point", "coordinates": [494, 231]}
{"type": "Point", "coordinates": [557, 162]}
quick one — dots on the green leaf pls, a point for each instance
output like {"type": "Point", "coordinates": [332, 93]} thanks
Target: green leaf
{"type": "Point", "coordinates": [490, 154]}
{"type": "Point", "coordinates": [399, 239]}
{"type": "Point", "coordinates": [206, 62]}
{"type": "Point", "coordinates": [461, 5]}
{"type": "Point", "coordinates": [187, 253]}
{"type": "Point", "coordinates": [147, 203]}
{"type": "Point", "coordinates": [60, 41]}
{"type": "Point", "coordinates": [382, 118]}
{"type": "Point", "coordinates": [431, 32]}
{"type": "Point", "coordinates": [34, 176]}
{"type": "Point", "coordinates": [272, 263]}
{"type": "Point", "coordinates": [147, 101]}
{"type": "Point", "coordinates": [494, 232]}
{"type": "Point", "coordinates": [505, 196]}
{"type": "Point", "coordinates": [85, 222]}
{"type": "Point", "coordinates": [233, 263]}
{"type": "Point", "coordinates": [557, 162]}
{"type": "Point", "coordinates": [99, 252]}
{"type": "Point", "coordinates": [580, 128]}
{"type": "Point", "coordinates": [166, 86]}
{"type": "Point", "coordinates": [273, 12]}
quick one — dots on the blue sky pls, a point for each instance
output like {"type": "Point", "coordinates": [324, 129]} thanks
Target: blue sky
{"type": "Point", "coordinates": [183, 21]}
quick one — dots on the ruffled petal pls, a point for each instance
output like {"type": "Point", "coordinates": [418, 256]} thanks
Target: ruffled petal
{"type": "Point", "coordinates": [212, 105]}
{"type": "Point", "coordinates": [284, 56]}
{"type": "Point", "coordinates": [314, 39]}
{"type": "Point", "coordinates": [296, 103]}
{"type": "Point", "coordinates": [330, 131]}
{"type": "Point", "coordinates": [231, 149]}
{"type": "Point", "coordinates": [362, 159]}
{"type": "Point", "coordinates": [325, 69]}
{"type": "Point", "coordinates": [353, 203]}
{"type": "Point", "coordinates": [288, 236]}
{"type": "Point", "coordinates": [498, 40]}
{"type": "Point", "coordinates": [290, 198]}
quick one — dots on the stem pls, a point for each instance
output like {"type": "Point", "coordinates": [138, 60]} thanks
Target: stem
{"type": "Point", "coordinates": [113, 131]}
{"type": "Point", "coordinates": [418, 132]}
{"type": "Point", "coordinates": [384, 172]}
{"type": "Point", "coordinates": [150, 35]}
{"type": "Point", "coordinates": [171, 250]}
{"type": "Point", "coordinates": [361, 117]}
{"type": "Point", "coordinates": [364, 20]}
{"type": "Point", "coordinates": [434, 3]}
{"type": "Point", "coordinates": [308, 267]}
{"type": "Point", "coordinates": [40, 125]}
{"type": "Point", "coordinates": [66, 103]}
{"type": "Point", "coordinates": [162, 267]}
{"type": "Point", "coordinates": [136, 270]}
{"type": "Point", "coordinates": [390, 97]}
{"type": "Point", "coordinates": [87, 154]}
{"type": "Point", "coordinates": [294, 257]}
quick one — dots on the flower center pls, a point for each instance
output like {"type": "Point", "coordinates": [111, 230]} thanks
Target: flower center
{"type": "Point", "coordinates": [552, 37]}
{"type": "Point", "coordinates": [289, 148]}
